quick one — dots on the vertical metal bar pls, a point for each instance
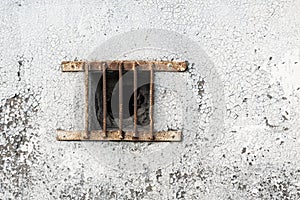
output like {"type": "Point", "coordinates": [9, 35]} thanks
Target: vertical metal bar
{"type": "Point", "coordinates": [151, 94]}
{"type": "Point", "coordinates": [86, 77]}
{"type": "Point", "coordinates": [104, 98]}
{"type": "Point", "coordinates": [120, 100]}
{"type": "Point", "coordinates": [135, 100]}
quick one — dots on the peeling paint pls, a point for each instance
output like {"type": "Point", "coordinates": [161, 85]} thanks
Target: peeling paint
{"type": "Point", "coordinates": [240, 128]}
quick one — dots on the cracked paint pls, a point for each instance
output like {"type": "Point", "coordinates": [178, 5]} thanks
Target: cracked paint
{"type": "Point", "coordinates": [241, 124]}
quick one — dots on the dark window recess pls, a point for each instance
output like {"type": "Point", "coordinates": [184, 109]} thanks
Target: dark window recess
{"type": "Point", "coordinates": [124, 100]}
{"type": "Point", "coordinates": [143, 99]}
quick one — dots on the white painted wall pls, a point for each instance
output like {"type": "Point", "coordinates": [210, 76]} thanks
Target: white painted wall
{"type": "Point", "coordinates": [238, 104]}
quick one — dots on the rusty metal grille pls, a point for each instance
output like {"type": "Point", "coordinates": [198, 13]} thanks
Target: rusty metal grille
{"type": "Point", "coordinates": [119, 134]}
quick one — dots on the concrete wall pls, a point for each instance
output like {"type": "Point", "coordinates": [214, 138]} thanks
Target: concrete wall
{"type": "Point", "coordinates": [238, 103]}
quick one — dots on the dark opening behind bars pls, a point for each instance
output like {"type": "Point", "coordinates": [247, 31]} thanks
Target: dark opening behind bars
{"type": "Point", "coordinates": [120, 96]}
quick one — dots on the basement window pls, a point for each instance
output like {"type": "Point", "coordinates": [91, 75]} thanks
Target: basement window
{"type": "Point", "coordinates": [123, 100]}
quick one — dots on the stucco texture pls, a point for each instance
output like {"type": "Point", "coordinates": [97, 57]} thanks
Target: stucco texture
{"type": "Point", "coordinates": [238, 104]}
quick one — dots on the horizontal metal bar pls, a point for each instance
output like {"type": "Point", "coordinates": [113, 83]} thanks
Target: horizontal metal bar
{"type": "Point", "coordinates": [161, 136]}
{"type": "Point", "coordinates": [167, 66]}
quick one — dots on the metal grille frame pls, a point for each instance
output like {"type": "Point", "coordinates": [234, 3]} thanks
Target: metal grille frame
{"type": "Point", "coordinates": [120, 135]}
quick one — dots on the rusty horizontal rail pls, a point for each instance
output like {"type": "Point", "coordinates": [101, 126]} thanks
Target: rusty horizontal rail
{"type": "Point", "coordinates": [167, 66]}
{"type": "Point", "coordinates": [160, 136]}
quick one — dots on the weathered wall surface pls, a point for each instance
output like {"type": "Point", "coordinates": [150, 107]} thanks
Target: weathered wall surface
{"type": "Point", "coordinates": [238, 104]}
